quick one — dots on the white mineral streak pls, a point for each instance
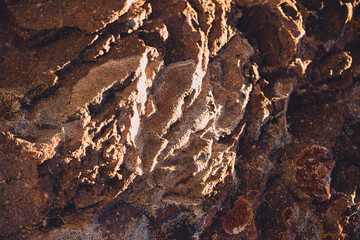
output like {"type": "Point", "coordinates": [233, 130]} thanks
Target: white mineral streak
{"type": "Point", "coordinates": [238, 230]}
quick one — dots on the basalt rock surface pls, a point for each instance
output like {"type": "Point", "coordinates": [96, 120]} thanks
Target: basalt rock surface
{"type": "Point", "coordinates": [180, 119]}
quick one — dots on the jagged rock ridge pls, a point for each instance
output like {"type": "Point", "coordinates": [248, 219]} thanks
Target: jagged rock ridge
{"type": "Point", "coordinates": [183, 119]}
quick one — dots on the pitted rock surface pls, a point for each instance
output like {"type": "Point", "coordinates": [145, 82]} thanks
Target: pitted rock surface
{"type": "Point", "coordinates": [180, 119]}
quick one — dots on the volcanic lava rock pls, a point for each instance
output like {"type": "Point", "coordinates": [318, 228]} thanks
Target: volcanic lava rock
{"type": "Point", "coordinates": [179, 119]}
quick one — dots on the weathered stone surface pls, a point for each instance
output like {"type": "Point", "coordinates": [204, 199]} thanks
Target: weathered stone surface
{"type": "Point", "coordinates": [87, 16]}
{"type": "Point", "coordinates": [181, 119]}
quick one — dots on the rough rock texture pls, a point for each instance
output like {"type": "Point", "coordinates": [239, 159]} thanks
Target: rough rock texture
{"type": "Point", "coordinates": [180, 119]}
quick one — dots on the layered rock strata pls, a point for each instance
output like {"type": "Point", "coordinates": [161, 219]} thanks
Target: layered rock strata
{"type": "Point", "coordinates": [182, 119]}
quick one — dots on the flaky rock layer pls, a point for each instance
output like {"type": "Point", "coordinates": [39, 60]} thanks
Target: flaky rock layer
{"type": "Point", "coordinates": [182, 119]}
